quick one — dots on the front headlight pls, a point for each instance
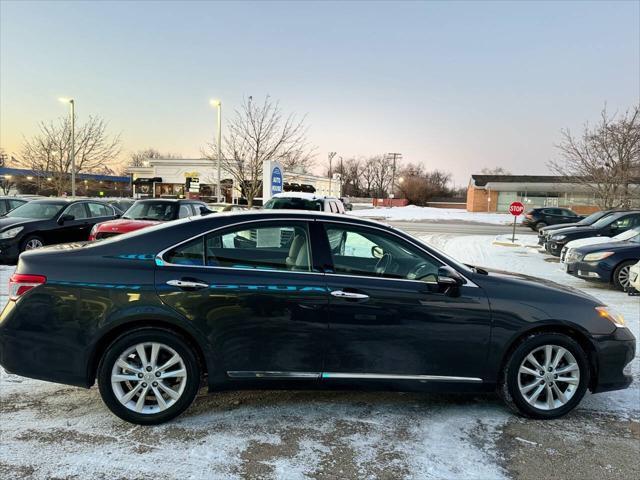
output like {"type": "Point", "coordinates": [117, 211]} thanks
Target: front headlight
{"type": "Point", "coordinates": [596, 256]}
{"type": "Point", "coordinates": [557, 238]}
{"type": "Point", "coordinates": [12, 232]}
{"type": "Point", "coordinates": [612, 315]}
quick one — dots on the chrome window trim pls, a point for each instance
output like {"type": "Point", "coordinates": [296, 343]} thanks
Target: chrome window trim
{"type": "Point", "coordinates": [165, 263]}
{"type": "Point", "coordinates": [159, 255]}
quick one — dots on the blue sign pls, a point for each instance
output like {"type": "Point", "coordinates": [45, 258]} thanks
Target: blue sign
{"type": "Point", "coordinates": [276, 180]}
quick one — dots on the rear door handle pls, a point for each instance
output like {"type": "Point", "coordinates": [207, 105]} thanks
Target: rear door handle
{"type": "Point", "coordinates": [349, 295]}
{"type": "Point", "coordinates": [187, 284]}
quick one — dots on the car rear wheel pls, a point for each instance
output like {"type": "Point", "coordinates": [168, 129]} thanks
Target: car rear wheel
{"type": "Point", "coordinates": [540, 225]}
{"type": "Point", "coordinates": [148, 376]}
{"type": "Point", "coordinates": [545, 376]}
{"type": "Point", "coordinates": [621, 275]}
{"type": "Point", "coordinates": [31, 242]}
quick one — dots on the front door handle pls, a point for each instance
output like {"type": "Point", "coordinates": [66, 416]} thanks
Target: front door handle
{"type": "Point", "coordinates": [187, 284]}
{"type": "Point", "coordinates": [349, 295]}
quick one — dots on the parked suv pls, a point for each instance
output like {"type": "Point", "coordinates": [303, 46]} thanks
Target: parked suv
{"type": "Point", "coordinates": [304, 201]}
{"type": "Point", "coordinates": [541, 217]}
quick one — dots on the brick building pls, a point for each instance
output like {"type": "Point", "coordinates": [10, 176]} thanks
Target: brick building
{"type": "Point", "coordinates": [494, 193]}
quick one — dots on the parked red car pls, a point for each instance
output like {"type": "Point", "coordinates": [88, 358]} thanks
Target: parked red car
{"type": "Point", "coordinates": [145, 213]}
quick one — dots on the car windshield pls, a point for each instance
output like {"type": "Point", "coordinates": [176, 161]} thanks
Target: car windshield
{"type": "Point", "coordinates": [604, 221]}
{"type": "Point", "coordinates": [632, 235]}
{"type": "Point", "coordinates": [591, 219]}
{"type": "Point", "coordinates": [216, 208]}
{"type": "Point", "coordinates": [158, 211]}
{"type": "Point", "coordinates": [293, 203]}
{"type": "Point", "coordinates": [37, 210]}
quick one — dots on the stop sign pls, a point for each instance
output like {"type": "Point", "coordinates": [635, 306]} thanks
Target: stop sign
{"type": "Point", "coordinates": [516, 208]}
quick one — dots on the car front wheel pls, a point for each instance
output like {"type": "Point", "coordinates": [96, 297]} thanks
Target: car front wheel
{"type": "Point", "coordinates": [621, 275]}
{"type": "Point", "coordinates": [546, 376]}
{"type": "Point", "coordinates": [148, 376]}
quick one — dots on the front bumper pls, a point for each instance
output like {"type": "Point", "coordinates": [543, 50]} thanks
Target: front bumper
{"type": "Point", "coordinates": [614, 353]}
{"type": "Point", "coordinates": [554, 248]}
{"type": "Point", "coordinates": [595, 271]}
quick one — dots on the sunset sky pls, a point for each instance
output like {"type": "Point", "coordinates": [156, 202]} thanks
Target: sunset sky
{"type": "Point", "coordinates": [457, 86]}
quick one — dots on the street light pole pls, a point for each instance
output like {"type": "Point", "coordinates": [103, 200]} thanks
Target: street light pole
{"type": "Point", "coordinates": [218, 105]}
{"type": "Point", "coordinates": [331, 155]}
{"type": "Point", "coordinates": [73, 147]}
{"type": "Point", "coordinates": [72, 104]}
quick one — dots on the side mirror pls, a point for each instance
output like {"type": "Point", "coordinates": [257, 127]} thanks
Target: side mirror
{"type": "Point", "coordinates": [65, 218]}
{"type": "Point", "coordinates": [377, 251]}
{"type": "Point", "coordinates": [448, 277]}
{"type": "Point", "coordinates": [204, 211]}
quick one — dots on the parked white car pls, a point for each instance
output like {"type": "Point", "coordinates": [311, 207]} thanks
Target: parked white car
{"type": "Point", "coordinates": [569, 247]}
{"type": "Point", "coordinates": [634, 279]}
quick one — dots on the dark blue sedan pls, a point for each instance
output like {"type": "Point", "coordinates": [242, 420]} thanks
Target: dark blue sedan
{"type": "Point", "coordinates": [605, 262]}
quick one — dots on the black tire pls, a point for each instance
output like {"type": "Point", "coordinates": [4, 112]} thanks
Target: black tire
{"type": "Point", "coordinates": [27, 239]}
{"type": "Point", "coordinates": [508, 387]}
{"type": "Point", "coordinates": [124, 342]}
{"type": "Point", "coordinates": [624, 266]}
{"type": "Point", "coordinates": [540, 225]}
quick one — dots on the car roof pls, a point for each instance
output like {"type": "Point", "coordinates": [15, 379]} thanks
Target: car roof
{"type": "Point", "coordinates": [303, 195]}
{"type": "Point", "coordinates": [292, 214]}
{"type": "Point", "coordinates": [169, 200]}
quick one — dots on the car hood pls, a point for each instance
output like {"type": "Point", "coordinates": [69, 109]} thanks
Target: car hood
{"type": "Point", "coordinates": [578, 232]}
{"type": "Point", "coordinates": [534, 282]}
{"type": "Point", "coordinates": [553, 228]}
{"type": "Point", "coordinates": [581, 242]}
{"type": "Point", "coordinates": [616, 246]}
{"type": "Point", "coordinates": [6, 222]}
{"type": "Point", "coordinates": [125, 225]}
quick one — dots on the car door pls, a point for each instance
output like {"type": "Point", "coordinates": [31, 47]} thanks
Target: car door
{"type": "Point", "coordinates": [388, 316]}
{"type": "Point", "coordinates": [253, 290]}
{"type": "Point", "coordinates": [72, 230]}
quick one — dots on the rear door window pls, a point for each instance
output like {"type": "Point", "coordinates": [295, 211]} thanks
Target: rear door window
{"type": "Point", "coordinates": [99, 210]}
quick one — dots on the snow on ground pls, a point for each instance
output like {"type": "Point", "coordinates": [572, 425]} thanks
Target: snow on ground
{"type": "Point", "coordinates": [413, 213]}
{"type": "Point", "coordinates": [49, 430]}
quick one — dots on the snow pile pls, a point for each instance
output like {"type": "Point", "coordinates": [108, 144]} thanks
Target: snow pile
{"type": "Point", "coordinates": [412, 213]}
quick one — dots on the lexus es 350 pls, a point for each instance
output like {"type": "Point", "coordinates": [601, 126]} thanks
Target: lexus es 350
{"type": "Point", "coordinates": [277, 299]}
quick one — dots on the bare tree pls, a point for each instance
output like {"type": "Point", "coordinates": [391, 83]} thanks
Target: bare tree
{"type": "Point", "coordinates": [49, 151]}
{"type": "Point", "coordinates": [605, 159]}
{"type": "Point", "coordinates": [420, 186]}
{"type": "Point", "coordinates": [495, 171]}
{"type": "Point", "coordinates": [137, 159]}
{"type": "Point", "coordinates": [260, 132]}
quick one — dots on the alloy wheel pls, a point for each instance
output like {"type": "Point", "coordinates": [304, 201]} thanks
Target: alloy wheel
{"type": "Point", "coordinates": [548, 377]}
{"type": "Point", "coordinates": [33, 243]}
{"type": "Point", "coordinates": [149, 377]}
{"type": "Point", "coordinates": [623, 276]}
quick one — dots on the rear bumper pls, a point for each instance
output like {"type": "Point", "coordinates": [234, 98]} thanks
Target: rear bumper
{"type": "Point", "coordinates": [614, 353]}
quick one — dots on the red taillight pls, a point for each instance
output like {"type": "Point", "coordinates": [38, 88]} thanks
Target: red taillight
{"type": "Point", "coordinates": [21, 283]}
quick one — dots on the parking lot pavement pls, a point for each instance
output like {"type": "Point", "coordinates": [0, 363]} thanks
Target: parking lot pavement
{"type": "Point", "coordinates": [49, 430]}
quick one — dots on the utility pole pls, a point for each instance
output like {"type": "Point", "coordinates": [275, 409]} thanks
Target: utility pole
{"type": "Point", "coordinates": [331, 155]}
{"type": "Point", "coordinates": [395, 157]}
{"type": "Point", "coordinates": [341, 175]}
